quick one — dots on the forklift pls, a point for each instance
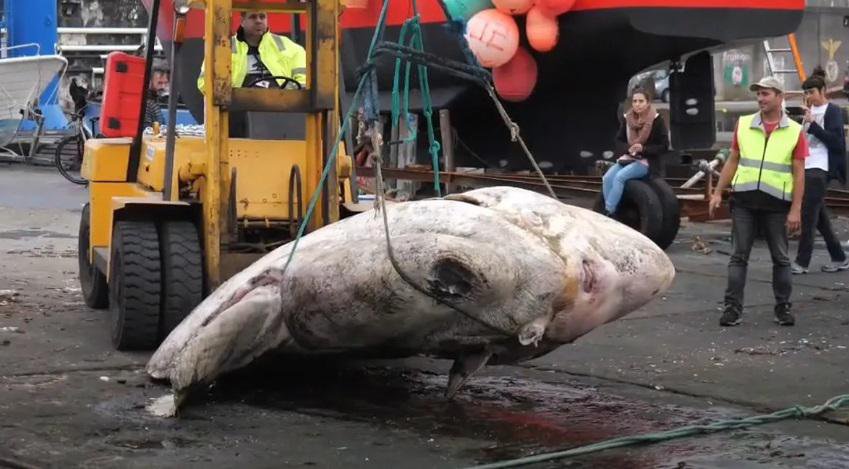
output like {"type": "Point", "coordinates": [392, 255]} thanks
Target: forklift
{"type": "Point", "coordinates": [170, 218]}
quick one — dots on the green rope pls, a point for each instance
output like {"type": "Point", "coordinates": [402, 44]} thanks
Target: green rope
{"type": "Point", "coordinates": [399, 106]}
{"type": "Point", "coordinates": [427, 110]}
{"type": "Point", "coordinates": [792, 412]}
{"type": "Point", "coordinates": [331, 164]}
{"type": "Point", "coordinates": [396, 78]}
{"type": "Point", "coordinates": [368, 78]}
{"type": "Point", "coordinates": [343, 131]}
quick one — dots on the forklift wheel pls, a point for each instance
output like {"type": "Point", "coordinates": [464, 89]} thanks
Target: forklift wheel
{"type": "Point", "coordinates": [182, 272]}
{"type": "Point", "coordinates": [134, 285]}
{"type": "Point", "coordinates": [92, 281]}
{"type": "Point", "coordinates": [671, 212]}
{"type": "Point", "coordinates": [640, 208]}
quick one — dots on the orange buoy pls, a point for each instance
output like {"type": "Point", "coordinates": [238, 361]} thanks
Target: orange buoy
{"type": "Point", "coordinates": [515, 80]}
{"type": "Point", "coordinates": [493, 37]}
{"type": "Point", "coordinates": [513, 7]}
{"type": "Point", "coordinates": [542, 29]}
{"type": "Point", "coordinates": [555, 7]}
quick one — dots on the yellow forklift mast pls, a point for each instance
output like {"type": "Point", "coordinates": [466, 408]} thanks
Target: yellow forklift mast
{"type": "Point", "coordinates": [170, 218]}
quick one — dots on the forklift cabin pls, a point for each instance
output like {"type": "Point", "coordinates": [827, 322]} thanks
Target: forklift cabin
{"type": "Point", "coordinates": [171, 218]}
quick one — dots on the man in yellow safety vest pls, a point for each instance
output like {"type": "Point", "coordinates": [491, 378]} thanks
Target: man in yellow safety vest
{"type": "Point", "coordinates": [766, 170]}
{"type": "Point", "coordinates": [259, 58]}
{"type": "Point", "coordinates": [259, 53]}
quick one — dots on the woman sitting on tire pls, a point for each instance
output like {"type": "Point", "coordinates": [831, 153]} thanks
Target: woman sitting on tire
{"type": "Point", "coordinates": [641, 140]}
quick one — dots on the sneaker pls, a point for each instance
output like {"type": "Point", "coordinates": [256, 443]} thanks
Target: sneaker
{"type": "Point", "coordinates": [797, 269]}
{"type": "Point", "coordinates": [783, 316]}
{"type": "Point", "coordinates": [730, 317]}
{"type": "Point", "coordinates": [836, 266]}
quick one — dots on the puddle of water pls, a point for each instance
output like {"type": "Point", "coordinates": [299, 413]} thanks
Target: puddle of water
{"type": "Point", "coordinates": [167, 443]}
{"type": "Point", "coordinates": [511, 416]}
{"type": "Point", "coordinates": [32, 381]}
{"type": "Point", "coordinates": [34, 233]}
{"type": "Point", "coordinates": [519, 417]}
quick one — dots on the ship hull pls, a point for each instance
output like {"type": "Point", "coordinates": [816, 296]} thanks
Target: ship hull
{"type": "Point", "coordinates": [572, 116]}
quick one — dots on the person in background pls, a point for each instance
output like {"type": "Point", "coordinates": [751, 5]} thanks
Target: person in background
{"type": "Point", "coordinates": [766, 171]}
{"type": "Point", "coordinates": [159, 77]}
{"type": "Point", "coordinates": [641, 140]}
{"type": "Point", "coordinates": [823, 123]}
{"type": "Point", "coordinates": [258, 55]}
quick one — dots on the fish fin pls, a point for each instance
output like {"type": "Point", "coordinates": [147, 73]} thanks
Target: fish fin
{"type": "Point", "coordinates": [165, 406]}
{"type": "Point", "coordinates": [532, 332]}
{"type": "Point", "coordinates": [463, 369]}
{"type": "Point", "coordinates": [464, 198]}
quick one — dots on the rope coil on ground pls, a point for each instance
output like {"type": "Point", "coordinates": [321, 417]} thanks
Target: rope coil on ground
{"type": "Point", "coordinates": [832, 404]}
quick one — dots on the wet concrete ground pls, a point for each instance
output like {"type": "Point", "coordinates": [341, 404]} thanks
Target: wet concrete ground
{"type": "Point", "coordinates": [68, 400]}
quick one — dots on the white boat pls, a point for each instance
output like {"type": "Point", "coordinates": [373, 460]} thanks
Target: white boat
{"type": "Point", "coordinates": [22, 81]}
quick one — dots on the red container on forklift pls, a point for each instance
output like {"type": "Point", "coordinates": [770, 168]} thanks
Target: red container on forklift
{"type": "Point", "coordinates": [123, 92]}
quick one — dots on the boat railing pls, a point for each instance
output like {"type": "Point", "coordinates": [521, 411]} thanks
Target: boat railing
{"type": "Point", "coordinates": [141, 32]}
{"type": "Point", "coordinates": [4, 50]}
{"type": "Point", "coordinates": [102, 49]}
{"type": "Point", "coordinates": [66, 47]}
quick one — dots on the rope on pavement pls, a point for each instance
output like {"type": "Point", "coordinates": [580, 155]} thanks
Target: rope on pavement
{"type": "Point", "coordinates": [792, 412]}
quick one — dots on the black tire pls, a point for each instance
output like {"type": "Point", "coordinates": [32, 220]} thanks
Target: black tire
{"type": "Point", "coordinates": [182, 272]}
{"type": "Point", "coordinates": [92, 280]}
{"type": "Point", "coordinates": [665, 96]}
{"type": "Point", "coordinates": [69, 158]}
{"type": "Point", "coordinates": [639, 208]}
{"type": "Point", "coordinates": [134, 285]}
{"type": "Point", "coordinates": [671, 212]}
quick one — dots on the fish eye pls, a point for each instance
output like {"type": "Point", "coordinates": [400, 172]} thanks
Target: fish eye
{"type": "Point", "coordinates": [450, 278]}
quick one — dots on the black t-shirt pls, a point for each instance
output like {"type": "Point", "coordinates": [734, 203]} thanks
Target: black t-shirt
{"type": "Point", "coordinates": [256, 70]}
{"type": "Point", "coordinates": [152, 109]}
{"type": "Point", "coordinates": [759, 200]}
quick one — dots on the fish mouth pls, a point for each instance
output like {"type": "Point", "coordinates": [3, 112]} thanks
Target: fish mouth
{"type": "Point", "coordinates": [589, 281]}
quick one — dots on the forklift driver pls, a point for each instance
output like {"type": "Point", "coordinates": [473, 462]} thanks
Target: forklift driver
{"type": "Point", "coordinates": [259, 55]}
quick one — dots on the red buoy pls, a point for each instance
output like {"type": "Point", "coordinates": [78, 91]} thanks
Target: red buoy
{"type": "Point", "coordinates": [515, 80]}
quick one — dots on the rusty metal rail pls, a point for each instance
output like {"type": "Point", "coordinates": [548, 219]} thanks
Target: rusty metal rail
{"type": "Point", "coordinates": [574, 186]}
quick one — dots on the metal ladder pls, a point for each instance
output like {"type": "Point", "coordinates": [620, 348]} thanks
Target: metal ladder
{"type": "Point", "coordinates": [793, 49]}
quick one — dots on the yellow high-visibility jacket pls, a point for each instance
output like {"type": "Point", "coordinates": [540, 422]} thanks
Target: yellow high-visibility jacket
{"type": "Point", "coordinates": [280, 55]}
{"type": "Point", "coordinates": [766, 165]}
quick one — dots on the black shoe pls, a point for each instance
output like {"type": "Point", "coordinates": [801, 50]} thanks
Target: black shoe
{"type": "Point", "coordinates": [732, 316]}
{"type": "Point", "coordinates": [783, 316]}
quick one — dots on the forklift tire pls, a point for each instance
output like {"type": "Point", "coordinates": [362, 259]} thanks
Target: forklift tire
{"type": "Point", "coordinates": [92, 281]}
{"type": "Point", "coordinates": [182, 272]}
{"type": "Point", "coordinates": [134, 285]}
{"type": "Point", "coordinates": [640, 208]}
{"type": "Point", "coordinates": [671, 212]}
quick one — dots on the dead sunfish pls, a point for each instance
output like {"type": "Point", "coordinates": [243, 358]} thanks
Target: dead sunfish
{"type": "Point", "coordinates": [490, 276]}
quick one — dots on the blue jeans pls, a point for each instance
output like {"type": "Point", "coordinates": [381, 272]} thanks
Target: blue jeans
{"type": "Point", "coordinates": [613, 182]}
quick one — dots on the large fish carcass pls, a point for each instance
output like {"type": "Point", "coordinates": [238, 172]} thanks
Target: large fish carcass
{"type": "Point", "coordinates": [496, 275]}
